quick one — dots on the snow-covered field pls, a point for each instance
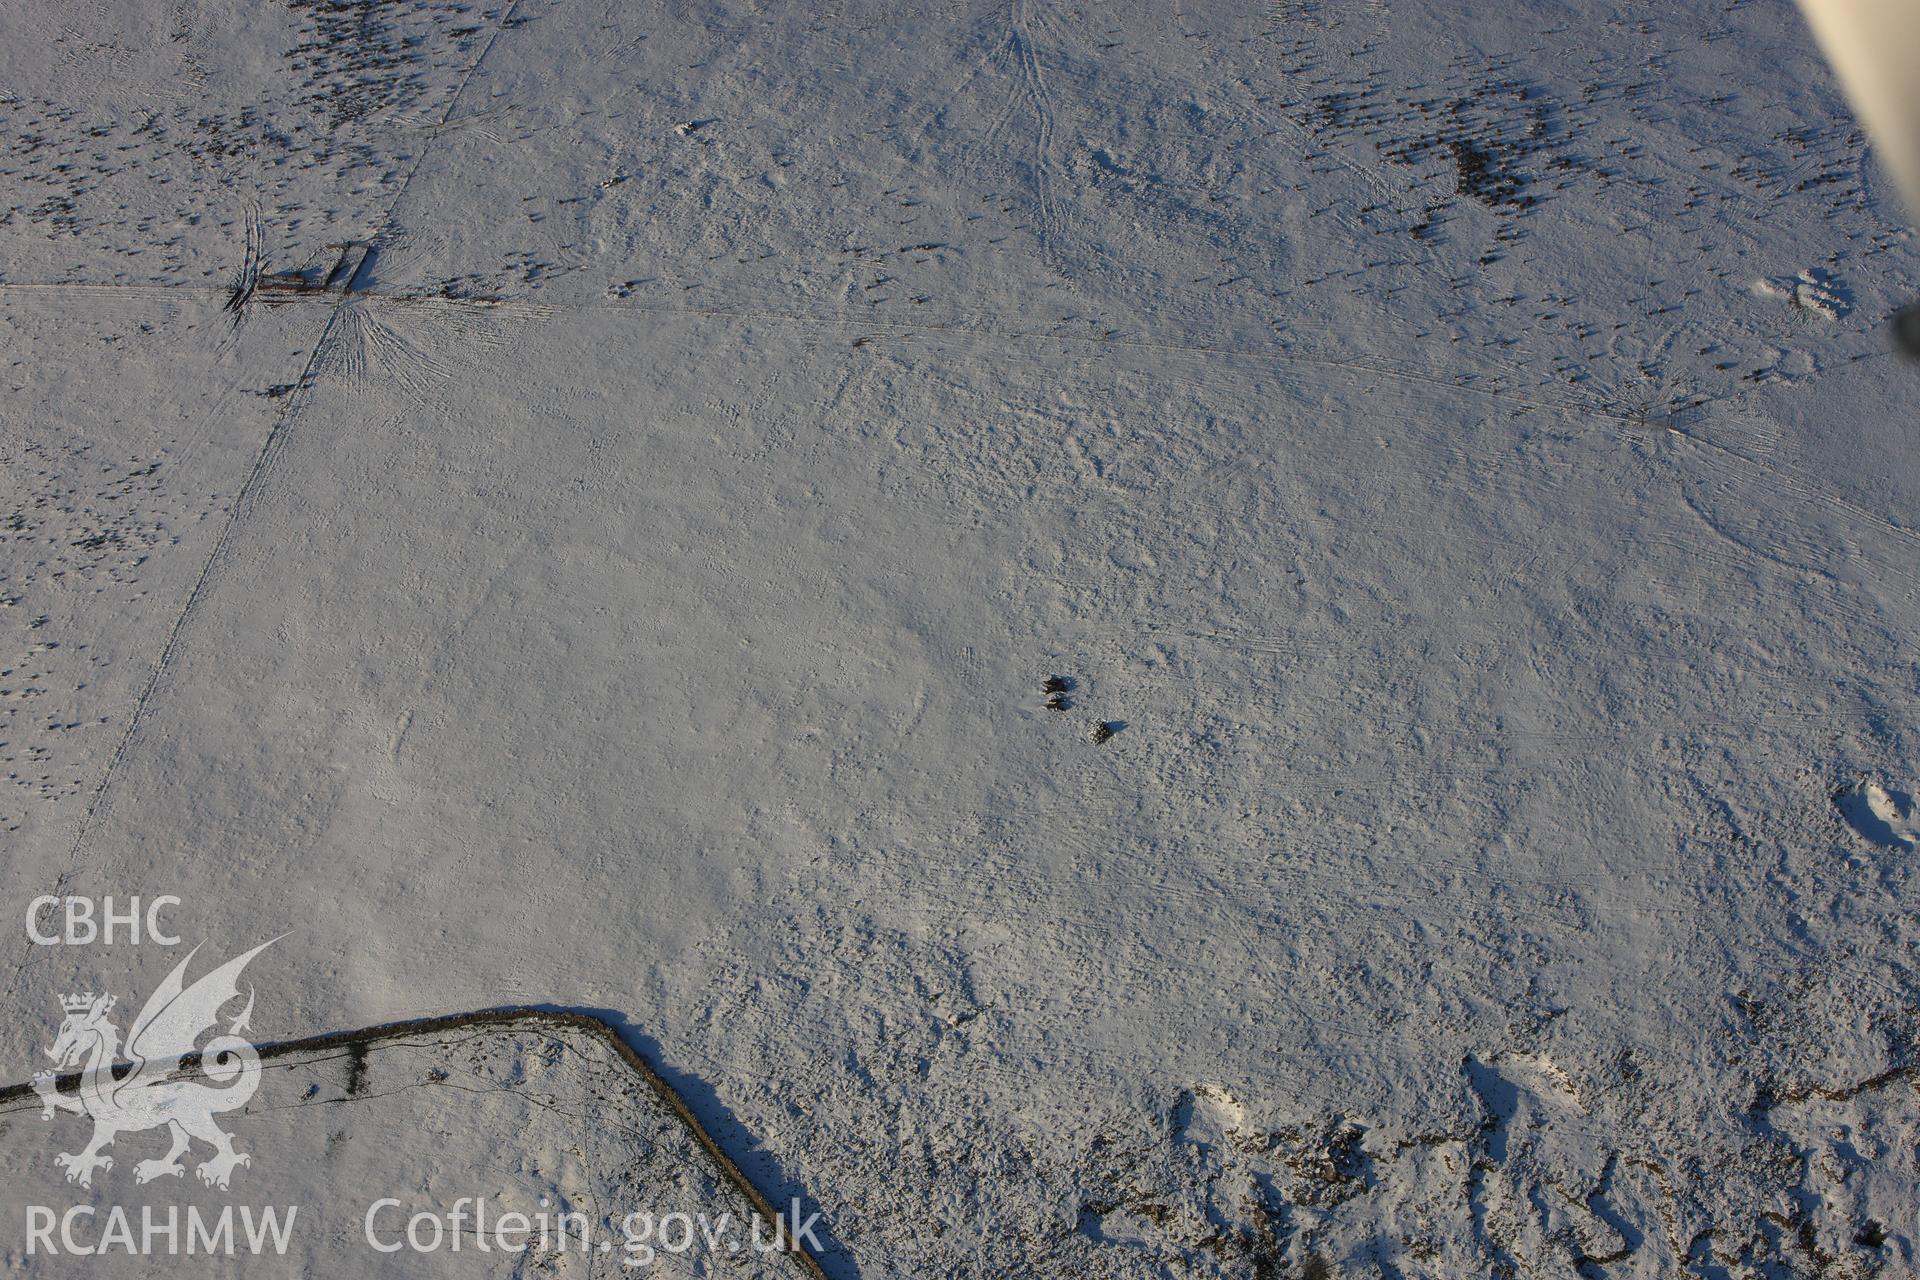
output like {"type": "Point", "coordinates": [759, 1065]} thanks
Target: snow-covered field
{"type": "Point", "coordinates": [1454, 447]}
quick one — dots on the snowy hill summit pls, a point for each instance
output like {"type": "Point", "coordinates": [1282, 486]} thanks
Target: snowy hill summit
{"type": "Point", "coordinates": [1196, 640]}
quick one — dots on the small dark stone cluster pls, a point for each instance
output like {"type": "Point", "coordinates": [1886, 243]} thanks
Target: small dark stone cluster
{"type": "Point", "coordinates": [1057, 688]}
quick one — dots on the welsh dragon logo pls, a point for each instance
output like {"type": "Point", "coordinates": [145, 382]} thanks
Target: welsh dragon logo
{"type": "Point", "coordinates": [150, 1093]}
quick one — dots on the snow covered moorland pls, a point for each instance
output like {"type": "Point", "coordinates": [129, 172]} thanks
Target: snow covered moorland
{"type": "Point", "coordinates": [1185, 640]}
